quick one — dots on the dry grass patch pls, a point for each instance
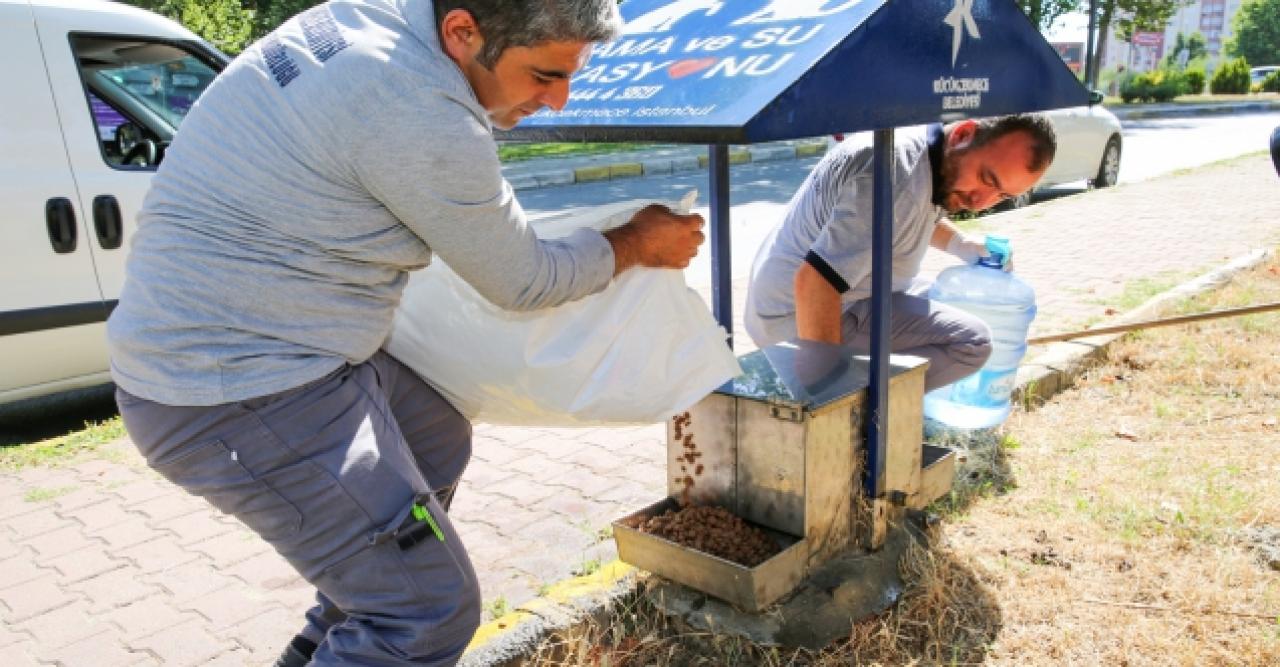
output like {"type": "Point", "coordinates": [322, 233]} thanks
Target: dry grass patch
{"type": "Point", "coordinates": [1132, 520]}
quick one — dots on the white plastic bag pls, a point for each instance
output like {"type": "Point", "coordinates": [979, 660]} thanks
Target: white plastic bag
{"type": "Point", "coordinates": [641, 350]}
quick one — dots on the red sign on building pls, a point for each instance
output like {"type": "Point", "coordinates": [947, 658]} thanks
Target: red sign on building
{"type": "Point", "coordinates": [1155, 39]}
{"type": "Point", "coordinates": [1072, 54]}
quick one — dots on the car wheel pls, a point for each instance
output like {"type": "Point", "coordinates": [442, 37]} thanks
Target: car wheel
{"type": "Point", "coordinates": [1017, 202]}
{"type": "Point", "coordinates": [1109, 168]}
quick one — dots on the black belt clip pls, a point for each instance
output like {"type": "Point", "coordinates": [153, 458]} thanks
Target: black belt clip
{"type": "Point", "coordinates": [418, 525]}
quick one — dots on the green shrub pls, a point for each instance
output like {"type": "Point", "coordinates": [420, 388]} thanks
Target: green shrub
{"type": "Point", "coordinates": [1195, 79]}
{"type": "Point", "coordinates": [1135, 87]}
{"type": "Point", "coordinates": [1231, 78]}
{"type": "Point", "coordinates": [1271, 84]}
{"type": "Point", "coordinates": [1158, 86]}
{"type": "Point", "coordinates": [1167, 84]}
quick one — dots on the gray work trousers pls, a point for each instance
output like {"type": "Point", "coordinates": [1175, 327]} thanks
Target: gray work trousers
{"type": "Point", "coordinates": [328, 473]}
{"type": "Point", "coordinates": [955, 342]}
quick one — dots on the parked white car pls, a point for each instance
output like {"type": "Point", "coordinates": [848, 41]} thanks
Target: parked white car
{"type": "Point", "coordinates": [93, 94]}
{"type": "Point", "coordinates": [1089, 148]}
{"type": "Point", "coordinates": [1259, 74]}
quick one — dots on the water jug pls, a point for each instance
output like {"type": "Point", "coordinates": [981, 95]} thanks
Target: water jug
{"type": "Point", "coordinates": [1007, 305]}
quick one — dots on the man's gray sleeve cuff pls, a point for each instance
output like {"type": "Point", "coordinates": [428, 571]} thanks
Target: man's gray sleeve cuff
{"type": "Point", "coordinates": [824, 269]}
{"type": "Point", "coordinates": [598, 261]}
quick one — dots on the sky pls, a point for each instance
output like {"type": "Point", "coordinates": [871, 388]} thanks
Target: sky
{"type": "Point", "coordinates": [1070, 28]}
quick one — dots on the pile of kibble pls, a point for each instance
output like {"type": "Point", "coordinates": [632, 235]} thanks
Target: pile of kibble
{"type": "Point", "coordinates": [713, 530]}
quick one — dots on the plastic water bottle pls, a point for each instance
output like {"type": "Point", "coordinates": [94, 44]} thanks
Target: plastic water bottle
{"type": "Point", "coordinates": [1007, 305]}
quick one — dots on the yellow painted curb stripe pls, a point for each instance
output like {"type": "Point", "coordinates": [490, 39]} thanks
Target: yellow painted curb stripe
{"type": "Point", "coordinates": [806, 150]}
{"type": "Point", "coordinates": [585, 174]}
{"type": "Point", "coordinates": [735, 157]}
{"type": "Point", "coordinates": [625, 169]}
{"type": "Point", "coordinates": [563, 592]}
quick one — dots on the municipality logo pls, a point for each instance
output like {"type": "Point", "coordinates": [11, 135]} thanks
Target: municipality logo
{"type": "Point", "coordinates": [961, 21]}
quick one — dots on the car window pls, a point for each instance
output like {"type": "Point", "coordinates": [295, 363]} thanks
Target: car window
{"type": "Point", "coordinates": [138, 92]}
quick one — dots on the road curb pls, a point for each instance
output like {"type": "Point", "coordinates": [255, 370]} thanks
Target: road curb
{"type": "Point", "coordinates": [507, 641]}
{"type": "Point", "coordinates": [1176, 111]}
{"type": "Point", "coordinates": [633, 168]}
{"type": "Point", "coordinates": [1054, 370]}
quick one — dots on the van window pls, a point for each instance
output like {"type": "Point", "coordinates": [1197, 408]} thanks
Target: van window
{"type": "Point", "coordinates": [138, 92]}
{"type": "Point", "coordinates": [105, 117]}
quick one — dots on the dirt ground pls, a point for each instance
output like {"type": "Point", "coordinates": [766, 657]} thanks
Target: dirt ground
{"type": "Point", "coordinates": [1131, 520]}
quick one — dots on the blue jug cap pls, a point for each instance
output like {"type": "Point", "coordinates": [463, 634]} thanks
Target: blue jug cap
{"type": "Point", "coordinates": [998, 248]}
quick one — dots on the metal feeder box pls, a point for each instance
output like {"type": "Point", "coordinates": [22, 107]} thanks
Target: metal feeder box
{"type": "Point", "coordinates": [781, 446]}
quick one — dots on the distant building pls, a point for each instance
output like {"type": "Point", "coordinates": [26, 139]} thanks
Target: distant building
{"type": "Point", "coordinates": [1210, 18]}
{"type": "Point", "coordinates": [1072, 54]}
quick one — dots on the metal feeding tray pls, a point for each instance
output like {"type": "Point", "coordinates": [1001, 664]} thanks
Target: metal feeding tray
{"type": "Point", "coordinates": [781, 446]}
{"type": "Point", "coordinates": [748, 588]}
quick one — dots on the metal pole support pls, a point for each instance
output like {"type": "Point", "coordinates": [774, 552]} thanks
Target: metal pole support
{"type": "Point", "coordinates": [721, 248]}
{"type": "Point", "coordinates": [881, 292]}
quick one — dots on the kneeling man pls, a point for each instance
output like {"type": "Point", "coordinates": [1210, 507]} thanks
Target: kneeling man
{"type": "Point", "coordinates": [812, 276]}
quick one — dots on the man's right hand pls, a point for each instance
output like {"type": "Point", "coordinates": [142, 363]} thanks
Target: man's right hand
{"type": "Point", "coordinates": [656, 237]}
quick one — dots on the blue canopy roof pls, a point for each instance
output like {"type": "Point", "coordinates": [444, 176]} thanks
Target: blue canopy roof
{"type": "Point", "coordinates": [747, 71]}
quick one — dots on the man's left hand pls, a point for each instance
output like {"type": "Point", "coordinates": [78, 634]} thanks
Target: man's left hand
{"type": "Point", "coordinates": [972, 249]}
{"type": "Point", "coordinates": [656, 237]}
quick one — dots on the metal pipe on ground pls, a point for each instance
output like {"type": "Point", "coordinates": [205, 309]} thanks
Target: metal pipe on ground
{"type": "Point", "coordinates": [1134, 326]}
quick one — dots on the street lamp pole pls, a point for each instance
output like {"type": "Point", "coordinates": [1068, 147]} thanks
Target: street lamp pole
{"type": "Point", "coordinates": [1090, 63]}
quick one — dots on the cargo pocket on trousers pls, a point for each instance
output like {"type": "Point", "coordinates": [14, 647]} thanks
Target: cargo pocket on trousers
{"type": "Point", "coordinates": [421, 582]}
{"type": "Point", "coordinates": [372, 576]}
{"type": "Point", "coordinates": [213, 471]}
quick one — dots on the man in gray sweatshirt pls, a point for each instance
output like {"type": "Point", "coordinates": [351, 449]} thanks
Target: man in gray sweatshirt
{"type": "Point", "coordinates": [326, 162]}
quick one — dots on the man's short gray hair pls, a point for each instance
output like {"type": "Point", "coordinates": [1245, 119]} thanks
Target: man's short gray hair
{"type": "Point", "coordinates": [507, 23]}
{"type": "Point", "coordinates": [1044, 141]}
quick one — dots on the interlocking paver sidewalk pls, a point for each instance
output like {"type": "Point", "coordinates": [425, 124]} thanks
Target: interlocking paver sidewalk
{"type": "Point", "coordinates": [104, 564]}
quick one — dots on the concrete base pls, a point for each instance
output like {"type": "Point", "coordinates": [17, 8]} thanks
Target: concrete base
{"type": "Point", "coordinates": [850, 587]}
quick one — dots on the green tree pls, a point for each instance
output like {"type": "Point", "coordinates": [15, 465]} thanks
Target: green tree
{"type": "Point", "coordinates": [1044, 13]}
{"type": "Point", "coordinates": [1130, 16]}
{"type": "Point", "coordinates": [1194, 45]}
{"type": "Point", "coordinates": [231, 25]}
{"type": "Point", "coordinates": [224, 23]}
{"type": "Point", "coordinates": [268, 14]}
{"type": "Point", "coordinates": [1256, 32]}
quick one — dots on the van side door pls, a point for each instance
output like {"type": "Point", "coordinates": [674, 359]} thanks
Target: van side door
{"type": "Point", "coordinates": [122, 90]}
{"type": "Point", "coordinates": [49, 295]}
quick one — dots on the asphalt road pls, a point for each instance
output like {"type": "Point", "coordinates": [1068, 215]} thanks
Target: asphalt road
{"type": "Point", "coordinates": [1151, 148]}
{"type": "Point", "coordinates": [758, 192]}
{"type": "Point", "coordinates": [1160, 146]}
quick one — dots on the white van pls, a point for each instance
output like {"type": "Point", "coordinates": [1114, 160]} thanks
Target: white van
{"type": "Point", "coordinates": [91, 93]}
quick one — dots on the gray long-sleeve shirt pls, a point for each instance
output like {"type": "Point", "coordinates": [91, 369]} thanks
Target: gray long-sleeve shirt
{"type": "Point", "coordinates": [325, 163]}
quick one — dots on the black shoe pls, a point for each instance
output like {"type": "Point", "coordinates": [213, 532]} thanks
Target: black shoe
{"type": "Point", "coordinates": [297, 653]}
